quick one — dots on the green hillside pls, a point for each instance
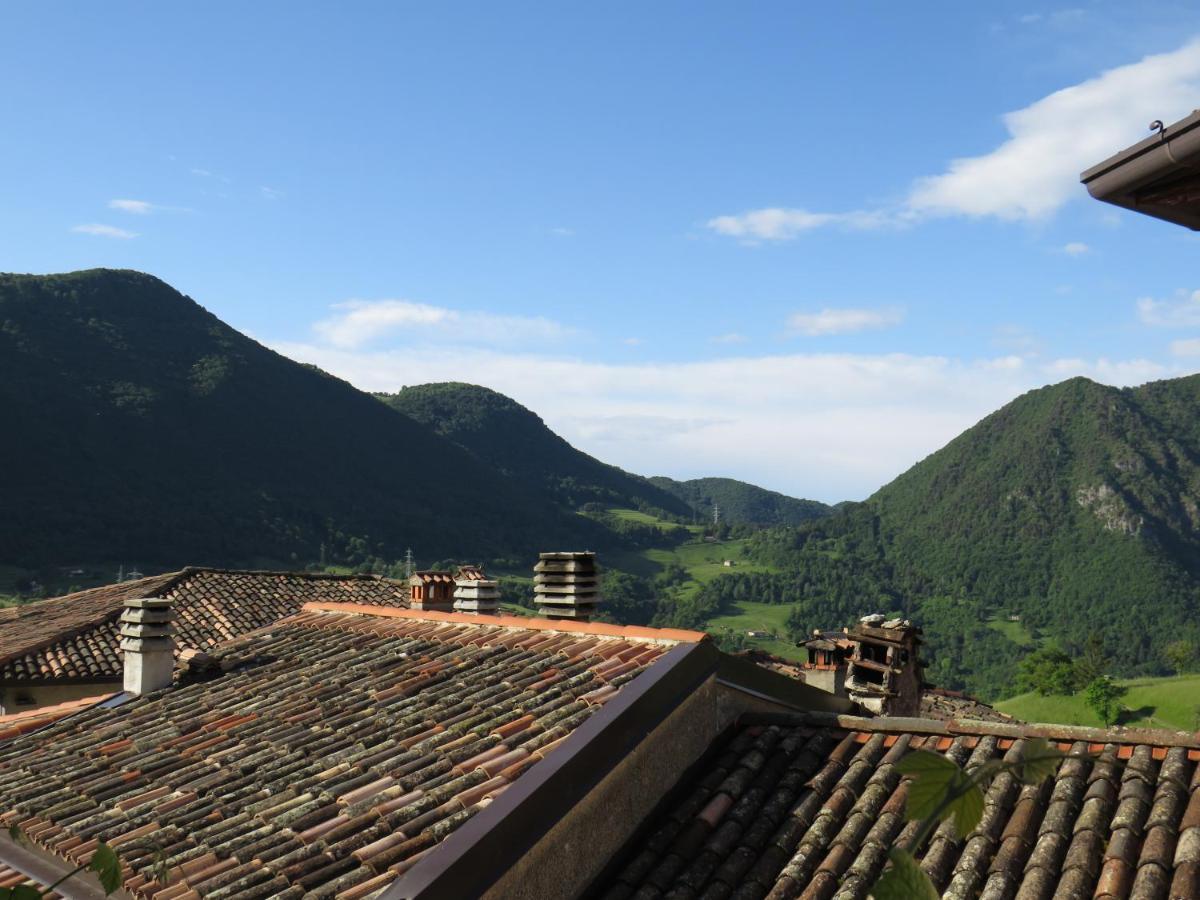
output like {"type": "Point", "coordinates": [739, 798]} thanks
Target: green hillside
{"type": "Point", "coordinates": [1150, 702]}
{"type": "Point", "coordinates": [139, 427]}
{"type": "Point", "coordinates": [741, 503]}
{"type": "Point", "coordinates": [515, 440]}
{"type": "Point", "coordinates": [1075, 507]}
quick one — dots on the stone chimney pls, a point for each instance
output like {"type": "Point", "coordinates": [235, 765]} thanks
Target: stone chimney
{"type": "Point", "coordinates": [148, 645]}
{"type": "Point", "coordinates": [566, 585]}
{"type": "Point", "coordinates": [476, 595]}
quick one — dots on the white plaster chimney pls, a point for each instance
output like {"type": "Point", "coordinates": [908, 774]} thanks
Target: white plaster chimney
{"type": "Point", "coordinates": [148, 645]}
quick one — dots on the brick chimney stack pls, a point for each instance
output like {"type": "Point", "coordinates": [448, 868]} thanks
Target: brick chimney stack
{"type": "Point", "coordinates": [566, 585]}
{"type": "Point", "coordinates": [148, 645]}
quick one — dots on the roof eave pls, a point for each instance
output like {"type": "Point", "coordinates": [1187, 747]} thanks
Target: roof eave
{"type": "Point", "coordinates": [1119, 179]}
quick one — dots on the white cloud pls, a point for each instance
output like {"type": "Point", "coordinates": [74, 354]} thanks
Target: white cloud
{"type": "Point", "coordinates": [270, 193]}
{"type": "Point", "coordinates": [1182, 312]}
{"type": "Point", "coordinates": [1051, 141]}
{"type": "Point", "coordinates": [108, 231]}
{"type": "Point", "coordinates": [1036, 170]}
{"type": "Point", "coordinates": [1076, 248]}
{"type": "Point", "coordinates": [633, 341]}
{"type": "Point", "coordinates": [563, 232]}
{"type": "Point", "coordinates": [784, 224]}
{"type": "Point", "coordinates": [829, 426]}
{"type": "Point", "coordinates": [1188, 347]}
{"type": "Point", "coordinates": [202, 173]}
{"type": "Point", "coordinates": [731, 337]}
{"type": "Point", "coordinates": [843, 321]}
{"type": "Point", "coordinates": [137, 207]}
{"type": "Point", "coordinates": [359, 322]}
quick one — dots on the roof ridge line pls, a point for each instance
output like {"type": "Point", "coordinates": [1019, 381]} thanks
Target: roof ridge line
{"type": "Point", "coordinates": [315, 576]}
{"type": "Point", "coordinates": [527, 623]}
{"type": "Point", "coordinates": [967, 727]}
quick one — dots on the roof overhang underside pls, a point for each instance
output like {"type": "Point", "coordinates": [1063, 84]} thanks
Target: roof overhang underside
{"type": "Point", "coordinates": [1158, 177]}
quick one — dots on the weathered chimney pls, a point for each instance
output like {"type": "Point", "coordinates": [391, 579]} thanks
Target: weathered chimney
{"type": "Point", "coordinates": [148, 645]}
{"type": "Point", "coordinates": [476, 595]}
{"type": "Point", "coordinates": [566, 585]}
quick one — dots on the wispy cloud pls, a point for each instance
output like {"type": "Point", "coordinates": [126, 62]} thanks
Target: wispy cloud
{"type": "Point", "coordinates": [843, 321]}
{"type": "Point", "coordinates": [1076, 248]}
{"type": "Point", "coordinates": [777, 224]}
{"type": "Point", "coordinates": [1181, 312]}
{"type": "Point", "coordinates": [563, 232]}
{"type": "Point", "coordinates": [1036, 170]}
{"type": "Point", "coordinates": [359, 322]}
{"type": "Point", "coordinates": [853, 421]}
{"type": "Point", "coordinates": [1051, 141]}
{"type": "Point", "coordinates": [144, 207]}
{"type": "Point", "coordinates": [137, 207]}
{"type": "Point", "coordinates": [269, 193]}
{"type": "Point", "coordinates": [1187, 347]}
{"type": "Point", "coordinates": [108, 231]}
{"type": "Point", "coordinates": [732, 337]}
{"type": "Point", "coordinates": [202, 173]}
{"type": "Point", "coordinates": [633, 342]}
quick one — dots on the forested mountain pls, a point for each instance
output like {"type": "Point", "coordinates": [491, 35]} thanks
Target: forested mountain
{"type": "Point", "coordinates": [139, 427]}
{"type": "Point", "coordinates": [516, 441]}
{"type": "Point", "coordinates": [741, 503]}
{"type": "Point", "coordinates": [1076, 507]}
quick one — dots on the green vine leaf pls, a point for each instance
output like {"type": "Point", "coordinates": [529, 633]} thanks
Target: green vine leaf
{"type": "Point", "coordinates": [15, 832]}
{"type": "Point", "coordinates": [904, 880]}
{"type": "Point", "coordinates": [941, 789]}
{"type": "Point", "coordinates": [107, 866]}
{"type": "Point", "coordinates": [24, 892]}
{"type": "Point", "coordinates": [932, 775]}
{"type": "Point", "coordinates": [1039, 761]}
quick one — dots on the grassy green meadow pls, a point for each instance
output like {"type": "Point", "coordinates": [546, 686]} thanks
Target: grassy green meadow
{"type": "Point", "coordinates": [1151, 703]}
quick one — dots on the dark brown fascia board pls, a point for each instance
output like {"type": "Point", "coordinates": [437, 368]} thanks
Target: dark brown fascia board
{"type": "Point", "coordinates": [742, 675]}
{"type": "Point", "coordinates": [1175, 151]}
{"type": "Point", "coordinates": [475, 856]}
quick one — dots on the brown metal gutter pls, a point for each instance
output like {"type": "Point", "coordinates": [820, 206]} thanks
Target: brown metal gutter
{"type": "Point", "coordinates": [475, 856]}
{"type": "Point", "coordinates": [1171, 154]}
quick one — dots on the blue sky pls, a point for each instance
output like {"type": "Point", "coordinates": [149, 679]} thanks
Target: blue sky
{"type": "Point", "coordinates": [801, 246]}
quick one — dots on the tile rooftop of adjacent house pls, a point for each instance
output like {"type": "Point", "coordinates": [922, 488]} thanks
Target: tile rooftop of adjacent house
{"type": "Point", "coordinates": [808, 806]}
{"type": "Point", "coordinates": [338, 747]}
{"type": "Point", "coordinates": [75, 637]}
{"type": "Point", "coordinates": [27, 720]}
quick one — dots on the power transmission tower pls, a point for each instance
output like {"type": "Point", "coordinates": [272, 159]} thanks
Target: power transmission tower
{"type": "Point", "coordinates": [408, 565]}
{"type": "Point", "coordinates": [716, 514]}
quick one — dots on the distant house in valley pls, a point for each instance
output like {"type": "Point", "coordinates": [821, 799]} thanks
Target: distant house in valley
{"type": "Point", "coordinates": [68, 647]}
{"type": "Point", "coordinates": [758, 635]}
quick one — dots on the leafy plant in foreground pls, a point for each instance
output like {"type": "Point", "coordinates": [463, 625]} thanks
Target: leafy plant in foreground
{"type": "Point", "coordinates": [940, 790]}
{"type": "Point", "coordinates": [105, 862]}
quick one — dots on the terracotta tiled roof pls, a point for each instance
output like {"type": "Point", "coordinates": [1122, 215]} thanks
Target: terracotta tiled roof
{"type": "Point", "coordinates": [75, 637]}
{"type": "Point", "coordinates": [796, 807]}
{"type": "Point", "coordinates": [10, 878]}
{"type": "Point", "coordinates": [27, 720]}
{"type": "Point", "coordinates": [340, 746]}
